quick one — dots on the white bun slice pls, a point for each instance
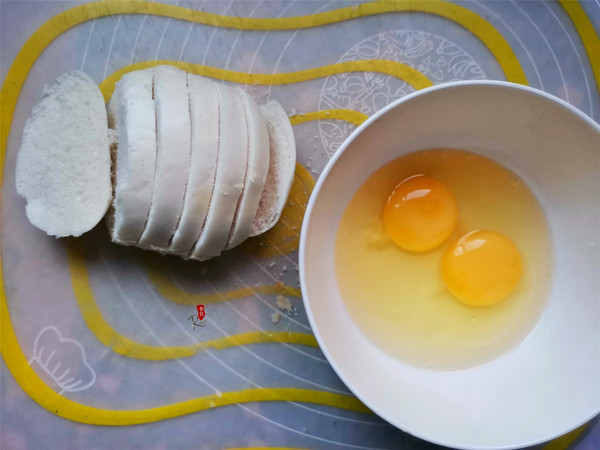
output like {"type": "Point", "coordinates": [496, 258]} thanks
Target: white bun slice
{"type": "Point", "coordinates": [63, 165]}
{"type": "Point", "coordinates": [131, 111]}
{"type": "Point", "coordinates": [281, 168]}
{"type": "Point", "coordinates": [204, 110]}
{"type": "Point", "coordinates": [256, 171]}
{"type": "Point", "coordinates": [173, 138]}
{"type": "Point", "coordinates": [229, 180]}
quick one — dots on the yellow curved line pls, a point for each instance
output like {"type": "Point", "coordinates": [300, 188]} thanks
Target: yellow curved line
{"type": "Point", "coordinates": [168, 290]}
{"type": "Point", "coordinates": [468, 19]}
{"type": "Point", "coordinates": [563, 442]}
{"type": "Point", "coordinates": [588, 35]}
{"type": "Point", "coordinates": [33, 385]}
{"type": "Point", "coordinates": [284, 237]}
{"type": "Point", "coordinates": [60, 23]}
{"type": "Point", "coordinates": [412, 76]}
{"type": "Point", "coordinates": [120, 344]}
{"type": "Point", "coordinates": [354, 117]}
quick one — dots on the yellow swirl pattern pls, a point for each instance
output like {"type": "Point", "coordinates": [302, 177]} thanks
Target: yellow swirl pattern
{"type": "Point", "coordinates": [168, 290]}
{"type": "Point", "coordinates": [588, 35]}
{"type": "Point", "coordinates": [354, 117]}
{"type": "Point", "coordinates": [565, 441]}
{"type": "Point", "coordinates": [412, 76]}
{"type": "Point", "coordinates": [11, 351]}
{"type": "Point", "coordinates": [49, 399]}
{"type": "Point", "coordinates": [284, 237]}
{"type": "Point", "coordinates": [118, 343]}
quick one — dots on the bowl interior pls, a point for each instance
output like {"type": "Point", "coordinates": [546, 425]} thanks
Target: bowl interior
{"type": "Point", "coordinates": [548, 384]}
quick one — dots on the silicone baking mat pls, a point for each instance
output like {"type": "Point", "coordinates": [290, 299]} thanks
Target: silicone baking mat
{"type": "Point", "coordinates": [99, 349]}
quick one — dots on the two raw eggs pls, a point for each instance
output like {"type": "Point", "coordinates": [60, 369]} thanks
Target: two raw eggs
{"type": "Point", "coordinates": [452, 268]}
{"type": "Point", "coordinates": [480, 268]}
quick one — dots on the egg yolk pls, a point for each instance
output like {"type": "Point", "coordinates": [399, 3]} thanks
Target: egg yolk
{"type": "Point", "coordinates": [420, 213]}
{"type": "Point", "coordinates": [482, 268]}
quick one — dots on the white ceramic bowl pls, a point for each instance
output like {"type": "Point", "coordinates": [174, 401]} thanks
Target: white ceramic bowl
{"type": "Point", "coordinates": [550, 383]}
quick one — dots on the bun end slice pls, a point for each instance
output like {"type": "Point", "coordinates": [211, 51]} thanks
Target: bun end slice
{"type": "Point", "coordinates": [63, 164]}
{"type": "Point", "coordinates": [257, 170]}
{"type": "Point", "coordinates": [282, 164]}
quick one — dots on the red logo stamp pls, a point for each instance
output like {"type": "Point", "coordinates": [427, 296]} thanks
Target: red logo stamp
{"type": "Point", "coordinates": [201, 313]}
{"type": "Point", "coordinates": [199, 319]}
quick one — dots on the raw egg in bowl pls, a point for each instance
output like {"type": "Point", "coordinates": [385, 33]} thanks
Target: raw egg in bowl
{"type": "Point", "coordinates": [449, 262]}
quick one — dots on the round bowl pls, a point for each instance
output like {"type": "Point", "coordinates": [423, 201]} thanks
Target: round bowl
{"type": "Point", "coordinates": [550, 383]}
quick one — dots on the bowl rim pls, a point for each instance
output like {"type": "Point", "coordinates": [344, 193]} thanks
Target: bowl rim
{"type": "Point", "coordinates": [309, 210]}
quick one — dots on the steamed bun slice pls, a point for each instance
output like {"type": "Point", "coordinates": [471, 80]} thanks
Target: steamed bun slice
{"type": "Point", "coordinates": [204, 111]}
{"type": "Point", "coordinates": [172, 158]}
{"type": "Point", "coordinates": [256, 171]}
{"type": "Point", "coordinates": [63, 164]}
{"type": "Point", "coordinates": [229, 180]}
{"type": "Point", "coordinates": [281, 168]}
{"type": "Point", "coordinates": [131, 112]}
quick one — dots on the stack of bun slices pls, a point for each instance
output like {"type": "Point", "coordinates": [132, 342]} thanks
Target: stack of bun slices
{"type": "Point", "coordinates": [197, 166]}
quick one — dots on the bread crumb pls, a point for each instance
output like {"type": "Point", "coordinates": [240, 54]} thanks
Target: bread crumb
{"type": "Point", "coordinates": [284, 268]}
{"type": "Point", "coordinates": [271, 264]}
{"type": "Point", "coordinates": [275, 317]}
{"type": "Point", "coordinates": [284, 303]}
{"type": "Point", "coordinates": [113, 137]}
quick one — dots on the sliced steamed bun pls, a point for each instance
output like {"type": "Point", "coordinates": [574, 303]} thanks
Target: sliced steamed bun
{"type": "Point", "coordinates": [204, 113]}
{"type": "Point", "coordinates": [173, 137]}
{"type": "Point", "coordinates": [63, 164]}
{"type": "Point", "coordinates": [256, 171]}
{"type": "Point", "coordinates": [131, 114]}
{"type": "Point", "coordinates": [229, 180]}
